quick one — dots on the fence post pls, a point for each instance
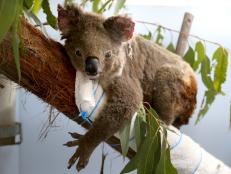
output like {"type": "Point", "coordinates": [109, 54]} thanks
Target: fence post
{"type": "Point", "coordinates": [184, 33]}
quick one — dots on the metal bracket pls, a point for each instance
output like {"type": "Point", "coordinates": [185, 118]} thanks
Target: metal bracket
{"type": "Point", "coordinates": [10, 135]}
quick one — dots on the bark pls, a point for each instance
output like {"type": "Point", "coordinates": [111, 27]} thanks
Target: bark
{"type": "Point", "coordinates": [45, 72]}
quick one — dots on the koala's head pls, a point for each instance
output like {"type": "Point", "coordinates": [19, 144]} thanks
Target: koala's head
{"type": "Point", "coordinates": [94, 43]}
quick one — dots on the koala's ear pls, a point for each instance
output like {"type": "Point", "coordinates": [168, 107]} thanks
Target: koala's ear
{"type": "Point", "coordinates": [68, 17]}
{"type": "Point", "coordinates": [119, 27]}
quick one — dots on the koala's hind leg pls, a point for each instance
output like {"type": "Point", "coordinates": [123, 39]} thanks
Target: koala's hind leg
{"type": "Point", "coordinates": [174, 94]}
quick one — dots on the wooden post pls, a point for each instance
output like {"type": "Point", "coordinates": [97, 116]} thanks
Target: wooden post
{"type": "Point", "coordinates": [184, 33]}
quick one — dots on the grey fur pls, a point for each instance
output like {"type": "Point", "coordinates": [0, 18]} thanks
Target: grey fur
{"type": "Point", "coordinates": [153, 74]}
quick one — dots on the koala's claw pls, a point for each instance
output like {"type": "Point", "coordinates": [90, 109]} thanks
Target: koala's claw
{"type": "Point", "coordinates": [73, 159]}
{"type": "Point", "coordinates": [81, 154]}
{"type": "Point", "coordinates": [75, 135]}
{"type": "Point", "coordinates": [81, 163]}
{"type": "Point", "coordinates": [72, 143]}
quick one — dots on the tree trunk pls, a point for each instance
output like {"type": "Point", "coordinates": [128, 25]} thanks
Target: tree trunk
{"type": "Point", "coordinates": [45, 72]}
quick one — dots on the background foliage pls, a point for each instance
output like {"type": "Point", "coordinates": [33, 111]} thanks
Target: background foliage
{"type": "Point", "coordinates": [212, 70]}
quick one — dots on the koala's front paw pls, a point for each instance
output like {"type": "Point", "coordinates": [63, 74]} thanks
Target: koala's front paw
{"type": "Point", "coordinates": [82, 152]}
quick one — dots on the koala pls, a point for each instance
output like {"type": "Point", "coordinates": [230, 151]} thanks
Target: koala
{"type": "Point", "coordinates": [130, 69]}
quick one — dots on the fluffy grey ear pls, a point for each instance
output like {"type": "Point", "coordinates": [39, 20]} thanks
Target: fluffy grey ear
{"type": "Point", "coordinates": [68, 17]}
{"type": "Point", "coordinates": [120, 28]}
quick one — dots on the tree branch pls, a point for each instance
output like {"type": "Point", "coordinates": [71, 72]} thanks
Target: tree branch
{"type": "Point", "coordinates": [46, 72]}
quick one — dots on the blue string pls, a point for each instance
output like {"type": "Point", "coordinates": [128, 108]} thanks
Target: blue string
{"type": "Point", "coordinates": [199, 163]}
{"type": "Point", "coordinates": [96, 89]}
{"type": "Point", "coordinates": [85, 117]}
{"type": "Point", "coordinates": [177, 143]}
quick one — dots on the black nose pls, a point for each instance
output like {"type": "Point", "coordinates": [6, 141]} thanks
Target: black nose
{"type": "Point", "coordinates": [91, 66]}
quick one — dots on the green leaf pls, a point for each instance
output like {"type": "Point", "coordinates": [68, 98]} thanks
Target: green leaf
{"type": "Point", "coordinates": [37, 21]}
{"type": "Point", "coordinates": [51, 19]}
{"type": "Point", "coordinates": [147, 36]}
{"type": "Point", "coordinates": [165, 166]}
{"type": "Point", "coordinates": [119, 5]}
{"type": "Point", "coordinates": [151, 156]}
{"type": "Point", "coordinates": [152, 124]}
{"type": "Point", "coordinates": [190, 56]}
{"type": "Point", "coordinates": [15, 46]}
{"type": "Point", "coordinates": [200, 50]}
{"type": "Point", "coordinates": [28, 3]}
{"type": "Point", "coordinates": [221, 57]}
{"type": "Point", "coordinates": [131, 165]}
{"type": "Point", "coordinates": [159, 36]}
{"type": "Point", "coordinates": [103, 7]}
{"type": "Point", "coordinates": [15, 38]}
{"type": "Point", "coordinates": [124, 134]}
{"type": "Point", "coordinates": [208, 99]}
{"type": "Point", "coordinates": [140, 129]}
{"type": "Point", "coordinates": [95, 5]}
{"type": "Point", "coordinates": [205, 73]}
{"type": "Point", "coordinates": [36, 6]}
{"type": "Point", "coordinates": [8, 13]}
{"type": "Point", "coordinates": [171, 47]}
{"type": "Point", "coordinates": [146, 158]}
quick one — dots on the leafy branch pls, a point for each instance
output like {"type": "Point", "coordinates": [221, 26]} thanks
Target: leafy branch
{"type": "Point", "coordinates": [153, 150]}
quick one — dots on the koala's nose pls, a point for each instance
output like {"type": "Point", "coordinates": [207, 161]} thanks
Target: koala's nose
{"type": "Point", "coordinates": [91, 65]}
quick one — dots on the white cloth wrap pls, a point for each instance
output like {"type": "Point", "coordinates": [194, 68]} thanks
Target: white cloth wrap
{"type": "Point", "coordinates": [186, 155]}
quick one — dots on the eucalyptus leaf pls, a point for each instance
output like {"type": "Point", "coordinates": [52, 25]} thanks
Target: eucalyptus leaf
{"type": "Point", "coordinates": [131, 165]}
{"type": "Point", "coordinates": [119, 5]}
{"type": "Point", "coordinates": [51, 19]}
{"type": "Point", "coordinates": [165, 166]}
{"type": "Point", "coordinates": [152, 124]}
{"type": "Point", "coordinates": [36, 6]}
{"type": "Point", "coordinates": [103, 7]}
{"type": "Point", "coordinates": [159, 36]}
{"type": "Point", "coordinates": [95, 5]}
{"type": "Point", "coordinates": [221, 57]}
{"type": "Point", "coordinates": [205, 73]}
{"type": "Point", "coordinates": [190, 56]}
{"type": "Point", "coordinates": [28, 3]}
{"type": "Point", "coordinates": [144, 161]}
{"type": "Point", "coordinates": [15, 46]}
{"type": "Point", "coordinates": [140, 130]}
{"type": "Point", "coordinates": [152, 156]}
{"type": "Point", "coordinates": [171, 47]}
{"type": "Point", "coordinates": [209, 98]}
{"type": "Point", "coordinates": [200, 50]}
{"type": "Point", "coordinates": [8, 13]}
{"type": "Point", "coordinates": [124, 134]}
{"type": "Point", "coordinates": [147, 36]}
{"type": "Point", "coordinates": [15, 38]}
{"type": "Point", "coordinates": [37, 21]}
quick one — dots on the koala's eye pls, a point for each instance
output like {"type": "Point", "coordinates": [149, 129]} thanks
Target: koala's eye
{"type": "Point", "coordinates": [78, 53]}
{"type": "Point", "coordinates": [108, 54]}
